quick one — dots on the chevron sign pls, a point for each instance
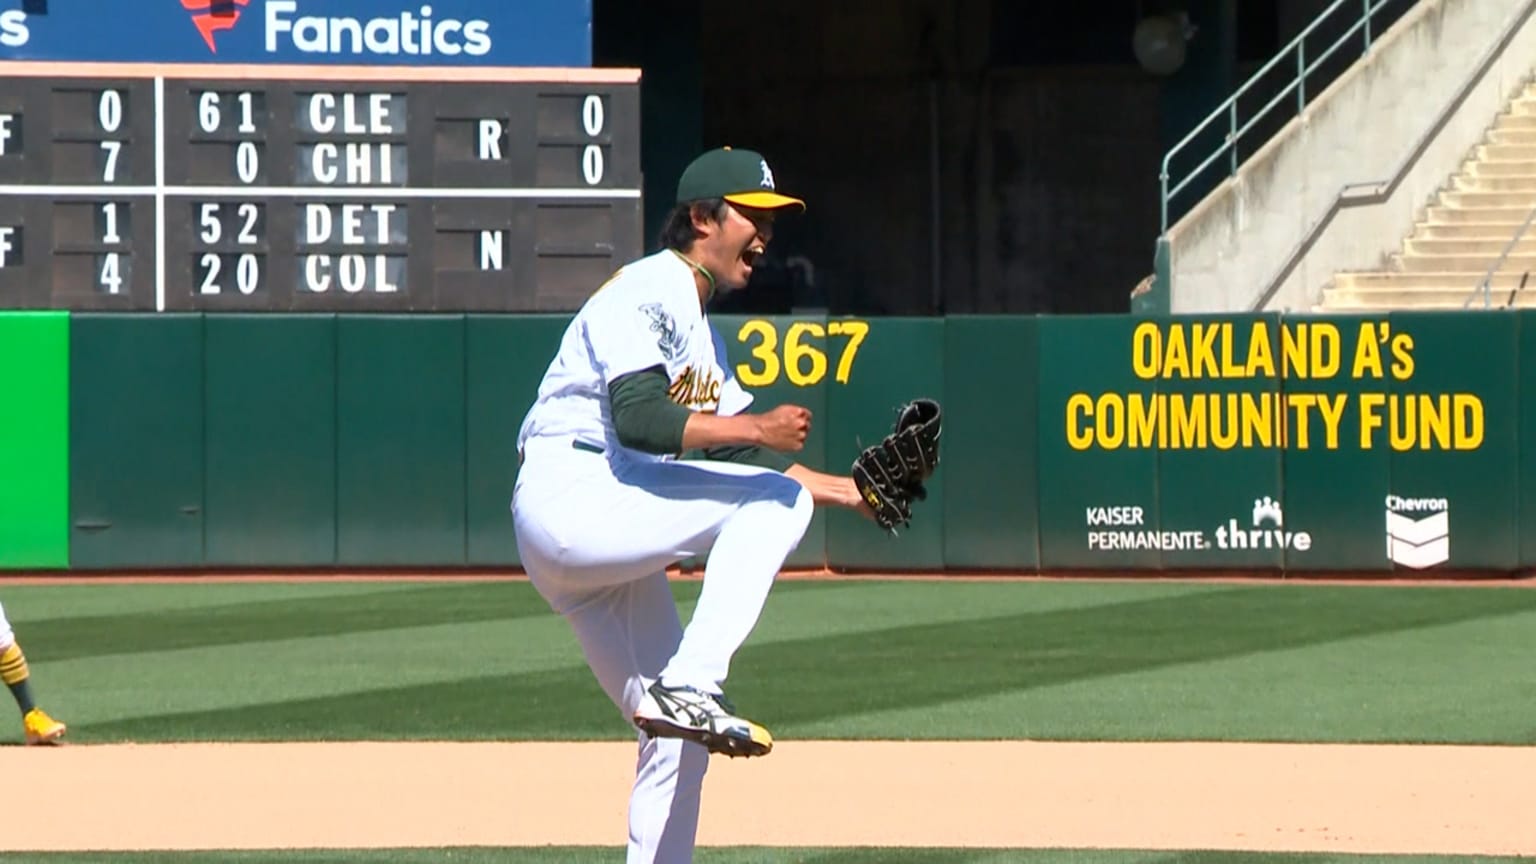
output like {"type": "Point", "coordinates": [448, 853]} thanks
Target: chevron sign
{"type": "Point", "coordinates": [1418, 541]}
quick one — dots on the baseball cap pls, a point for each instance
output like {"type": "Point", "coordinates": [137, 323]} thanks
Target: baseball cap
{"type": "Point", "coordinates": [739, 176]}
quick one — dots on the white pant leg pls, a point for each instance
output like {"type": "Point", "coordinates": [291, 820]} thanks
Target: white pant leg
{"type": "Point", "coordinates": [627, 632]}
{"type": "Point", "coordinates": [595, 543]}
{"type": "Point", "coordinates": [7, 638]}
{"type": "Point", "coordinates": [583, 525]}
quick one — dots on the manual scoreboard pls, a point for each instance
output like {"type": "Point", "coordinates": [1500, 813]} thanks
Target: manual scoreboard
{"type": "Point", "coordinates": [159, 187]}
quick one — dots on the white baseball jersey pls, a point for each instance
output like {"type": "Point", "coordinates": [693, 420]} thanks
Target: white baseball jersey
{"type": "Point", "coordinates": [647, 314]}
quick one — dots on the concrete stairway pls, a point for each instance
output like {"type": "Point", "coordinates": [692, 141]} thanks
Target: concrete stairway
{"type": "Point", "coordinates": [1461, 234]}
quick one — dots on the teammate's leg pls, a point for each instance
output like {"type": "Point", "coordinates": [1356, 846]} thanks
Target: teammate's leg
{"type": "Point", "coordinates": [37, 726]}
{"type": "Point", "coordinates": [627, 632]}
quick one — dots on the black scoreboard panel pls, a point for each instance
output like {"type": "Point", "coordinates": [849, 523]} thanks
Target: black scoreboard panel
{"type": "Point", "coordinates": [333, 192]}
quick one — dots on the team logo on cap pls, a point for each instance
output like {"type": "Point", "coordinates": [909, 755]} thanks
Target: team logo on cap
{"type": "Point", "coordinates": [767, 174]}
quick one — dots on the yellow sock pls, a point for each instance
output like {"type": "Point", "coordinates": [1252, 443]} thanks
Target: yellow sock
{"type": "Point", "coordinates": [13, 671]}
{"type": "Point", "coordinates": [13, 665]}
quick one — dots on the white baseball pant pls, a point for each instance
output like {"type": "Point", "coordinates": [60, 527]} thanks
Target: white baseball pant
{"type": "Point", "coordinates": [595, 536]}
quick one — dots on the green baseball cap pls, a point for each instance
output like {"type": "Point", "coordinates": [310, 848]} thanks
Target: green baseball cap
{"type": "Point", "coordinates": [739, 176]}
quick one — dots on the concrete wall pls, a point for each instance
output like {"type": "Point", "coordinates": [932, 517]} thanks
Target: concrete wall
{"type": "Point", "coordinates": [1273, 236]}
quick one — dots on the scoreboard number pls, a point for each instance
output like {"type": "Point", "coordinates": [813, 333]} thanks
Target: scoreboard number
{"type": "Point", "coordinates": [111, 219]}
{"type": "Point", "coordinates": [111, 280]}
{"type": "Point", "coordinates": [111, 111]}
{"type": "Point", "coordinates": [592, 124]}
{"type": "Point", "coordinates": [109, 233]}
{"type": "Point", "coordinates": [109, 114]}
{"type": "Point", "coordinates": [215, 271]}
{"type": "Point", "coordinates": [210, 114]}
{"type": "Point", "coordinates": [316, 188]}
{"type": "Point", "coordinates": [245, 219]}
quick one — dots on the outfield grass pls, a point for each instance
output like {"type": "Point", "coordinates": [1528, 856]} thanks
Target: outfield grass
{"type": "Point", "coordinates": [1045, 660]}
{"type": "Point", "coordinates": [745, 855]}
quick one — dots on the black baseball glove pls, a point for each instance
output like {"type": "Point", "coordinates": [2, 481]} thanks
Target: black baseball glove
{"type": "Point", "coordinates": [890, 474]}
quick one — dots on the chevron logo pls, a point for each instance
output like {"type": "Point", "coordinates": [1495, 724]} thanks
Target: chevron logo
{"type": "Point", "coordinates": [1418, 541]}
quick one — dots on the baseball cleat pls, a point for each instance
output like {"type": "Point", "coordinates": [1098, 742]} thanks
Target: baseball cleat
{"type": "Point", "coordinates": [705, 718]}
{"type": "Point", "coordinates": [40, 728]}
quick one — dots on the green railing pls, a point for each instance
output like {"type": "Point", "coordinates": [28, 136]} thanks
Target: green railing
{"type": "Point", "coordinates": [1294, 91]}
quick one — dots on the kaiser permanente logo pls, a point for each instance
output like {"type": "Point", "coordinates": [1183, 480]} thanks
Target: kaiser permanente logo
{"type": "Point", "coordinates": [411, 32]}
{"type": "Point", "coordinates": [1262, 528]}
{"type": "Point", "coordinates": [1418, 531]}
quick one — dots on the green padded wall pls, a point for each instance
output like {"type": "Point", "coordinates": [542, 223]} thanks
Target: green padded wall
{"type": "Point", "coordinates": [1311, 443]}
{"type": "Point", "coordinates": [271, 440]}
{"type": "Point", "coordinates": [136, 430]}
{"type": "Point", "coordinates": [989, 454]}
{"type": "Point", "coordinates": [1525, 382]}
{"type": "Point", "coordinates": [1462, 448]}
{"type": "Point", "coordinates": [400, 493]}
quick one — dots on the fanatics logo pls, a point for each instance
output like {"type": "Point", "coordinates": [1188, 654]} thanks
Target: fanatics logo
{"type": "Point", "coordinates": [211, 16]}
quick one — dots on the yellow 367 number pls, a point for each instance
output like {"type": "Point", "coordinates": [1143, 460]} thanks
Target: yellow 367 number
{"type": "Point", "coordinates": [804, 364]}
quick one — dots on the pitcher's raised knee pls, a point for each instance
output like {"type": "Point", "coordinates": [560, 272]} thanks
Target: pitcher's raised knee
{"type": "Point", "coordinates": [790, 498]}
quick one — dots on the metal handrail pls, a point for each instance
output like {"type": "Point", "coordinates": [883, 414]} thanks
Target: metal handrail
{"type": "Point", "coordinates": [1228, 108]}
{"type": "Point", "coordinates": [1484, 287]}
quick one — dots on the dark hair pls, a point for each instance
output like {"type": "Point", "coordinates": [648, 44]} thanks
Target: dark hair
{"type": "Point", "coordinates": [677, 232]}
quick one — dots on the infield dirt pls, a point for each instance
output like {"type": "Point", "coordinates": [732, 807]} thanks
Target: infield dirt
{"type": "Point", "coordinates": [1019, 794]}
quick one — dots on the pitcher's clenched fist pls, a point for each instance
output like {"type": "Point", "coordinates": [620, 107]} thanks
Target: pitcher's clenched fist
{"type": "Point", "coordinates": [784, 428]}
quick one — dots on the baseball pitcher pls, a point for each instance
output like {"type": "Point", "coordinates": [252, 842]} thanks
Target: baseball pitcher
{"type": "Point", "coordinates": [603, 503]}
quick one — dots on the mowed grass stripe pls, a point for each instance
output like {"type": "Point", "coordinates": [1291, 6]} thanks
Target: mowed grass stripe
{"type": "Point", "coordinates": [36, 602]}
{"type": "Point", "coordinates": [127, 686]}
{"type": "Point", "coordinates": [266, 620]}
{"type": "Point", "coordinates": [257, 643]}
{"type": "Point", "coordinates": [1453, 674]}
{"type": "Point", "coordinates": [929, 665]}
{"type": "Point", "coordinates": [742, 855]}
{"type": "Point", "coordinates": [1159, 663]}
{"type": "Point", "coordinates": [65, 622]}
{"type": "Point", "coordinates": [450, 681]}
{"type": "Point", "coordinates": [1453, 683]}
{"type": "Point", "coordinates": [139, 683]}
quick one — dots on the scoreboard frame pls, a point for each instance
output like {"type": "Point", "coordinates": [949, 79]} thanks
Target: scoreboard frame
{"type": "Point", "coordinates": [212, 187]}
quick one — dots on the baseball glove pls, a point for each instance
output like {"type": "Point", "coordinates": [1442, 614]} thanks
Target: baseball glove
{"type": "Point", "coordinates": [890, 474]}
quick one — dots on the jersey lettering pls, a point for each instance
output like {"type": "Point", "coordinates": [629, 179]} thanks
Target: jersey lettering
{"type": "Point", "coordinates": [694, 390]}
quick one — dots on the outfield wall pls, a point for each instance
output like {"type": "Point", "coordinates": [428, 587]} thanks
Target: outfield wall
{"type": "Point", "coordinates": [1236, 442]}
